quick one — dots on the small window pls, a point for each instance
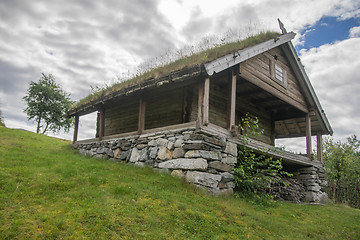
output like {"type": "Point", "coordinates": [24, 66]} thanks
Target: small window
{"type": "Point", "coordinates": [279, 74]}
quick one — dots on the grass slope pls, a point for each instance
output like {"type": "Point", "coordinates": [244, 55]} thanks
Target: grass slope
{"type": "Point", "coordinates": [47, 191]}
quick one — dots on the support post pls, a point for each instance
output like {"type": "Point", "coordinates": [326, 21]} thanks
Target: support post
{"type": "Point", "coordinates": [231, 101]}
{"type": "Point", "coordinates": [319, 147]}
{"type": "Point", "coordinates": [308, 135]}
{"type": "Point", "coordinates": [206, 101]}
{"type": "Point", "coordinates": [76, 128]}
{"type": "Point", "coordinates": [101, 123]}
{"type": "Point", "coordinates": [141, 120]}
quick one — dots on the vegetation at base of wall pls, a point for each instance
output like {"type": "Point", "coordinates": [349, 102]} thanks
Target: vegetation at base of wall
{"type": "Point", "coordinates": [255, 173]}
{"type": "Point", "coordinates": [48, 191]}
{"type": "Point", "coordinates": [342, 164]}
{"type": "Point", "coordinates": [207, 53]}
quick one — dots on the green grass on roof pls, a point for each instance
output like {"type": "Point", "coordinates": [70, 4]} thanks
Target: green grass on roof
{"type": "Point", "coordinates": [186, 61]}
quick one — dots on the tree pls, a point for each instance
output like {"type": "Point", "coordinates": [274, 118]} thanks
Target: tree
{"type": "Point", "coordinates": [342, 164]}
{"type": "Point", "coordinates": [47, 104]}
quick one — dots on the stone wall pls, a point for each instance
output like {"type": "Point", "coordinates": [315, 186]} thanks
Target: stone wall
{"type": "Point", "coordinates": [314, 180]}
{"type": "Point", "coordinates": [207, 161]}
{"type": "Point", "coordinates": [201, 158]}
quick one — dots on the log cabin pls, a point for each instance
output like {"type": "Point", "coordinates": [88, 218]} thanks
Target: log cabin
{"type": "Point", "coordinates": [187, 117]}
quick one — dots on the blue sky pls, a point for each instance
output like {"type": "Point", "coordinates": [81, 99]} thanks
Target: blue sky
{"type": "Point", "coordinates": [327, 31]}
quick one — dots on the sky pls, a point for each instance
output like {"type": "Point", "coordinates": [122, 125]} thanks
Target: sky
{"type": "Point", "coordinates": [85, 44]}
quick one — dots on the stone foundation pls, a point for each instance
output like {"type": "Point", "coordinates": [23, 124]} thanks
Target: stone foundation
{"type": "Point", "coordinates": [201, 158]}
{"type": "Point", "coordinates": [314, 180]}
{"type": "Point", "coordinates": [207, 161]}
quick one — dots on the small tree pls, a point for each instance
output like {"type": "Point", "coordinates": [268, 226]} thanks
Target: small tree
{"type": "Point", "coordinates": [47, 104]}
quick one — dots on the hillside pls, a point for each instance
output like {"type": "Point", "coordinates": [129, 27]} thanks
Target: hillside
{"type": "Point", "coordinates": [48, 191]}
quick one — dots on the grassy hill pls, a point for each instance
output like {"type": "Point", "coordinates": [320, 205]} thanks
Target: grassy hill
{"type": "Point", "coordinates": [47, 191]}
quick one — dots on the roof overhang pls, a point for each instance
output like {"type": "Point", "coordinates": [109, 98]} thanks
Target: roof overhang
{"type": "Point", "coordinates": [237, 57]}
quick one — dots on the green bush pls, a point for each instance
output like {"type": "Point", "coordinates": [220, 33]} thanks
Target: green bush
{"type": "Point", "coordinates": [256, 172]}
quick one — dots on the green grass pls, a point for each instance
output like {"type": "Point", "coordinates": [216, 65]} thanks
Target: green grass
{"type": "Point", "coordinates": [187, 61]}
{"type": "Point", "coordinates": [47, 191]}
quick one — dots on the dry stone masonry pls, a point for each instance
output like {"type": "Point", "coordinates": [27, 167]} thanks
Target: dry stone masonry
{"type": "Point", "coordinates": [201, 158]}
{"type": "Point", "coordinates": [207, 161]}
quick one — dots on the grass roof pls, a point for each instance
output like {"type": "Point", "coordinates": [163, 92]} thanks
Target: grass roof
{"type": "Point", "coordinates": [184, 62]}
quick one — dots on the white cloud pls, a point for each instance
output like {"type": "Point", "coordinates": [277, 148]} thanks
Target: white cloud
{"type": "Point", "coordinates": [355, 32]}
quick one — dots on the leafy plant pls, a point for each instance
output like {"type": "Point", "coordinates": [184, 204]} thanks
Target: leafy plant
{"type": "Point", "coordinates": [256, 172]}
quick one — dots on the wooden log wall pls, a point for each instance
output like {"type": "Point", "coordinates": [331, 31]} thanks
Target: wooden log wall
{"type": "Point", "coordinates": [122, 117]}
{"type": "Point", "coordinates": [259, 68]}
{"type": "Point", "coordinates": [165, 107]}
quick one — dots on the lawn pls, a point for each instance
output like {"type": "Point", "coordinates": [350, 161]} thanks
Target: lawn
{"type": "Point", "coordinates": [48, 191]}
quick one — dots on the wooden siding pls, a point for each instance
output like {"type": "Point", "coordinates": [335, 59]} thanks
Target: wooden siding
{"type": "Point", "coordinates": [122, 117]}
{"type": "Point", "coordinates": [258, 68]}
{"type": "Point", "coordinates": [164, 107]}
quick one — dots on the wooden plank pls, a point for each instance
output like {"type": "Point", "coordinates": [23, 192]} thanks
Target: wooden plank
{"type": "Point", "coordinates": [319, 147]}
{"type": "Point", "coordinates": [200, 104]}
{"type": "Point", "coordinates": [308, 135]}
{"type": "Point", "coordinates": [274, 91]}
{"type": "Point", "coordinates": [141, 120]}
{"type": "Point", "coordinates": [206, 101]}
{"type": "Point", "coordinates": [232, 101]}
{"type": "Point", "coordinates": [76, 128]}
{"type": "Point", "coordinates": [101, 123]}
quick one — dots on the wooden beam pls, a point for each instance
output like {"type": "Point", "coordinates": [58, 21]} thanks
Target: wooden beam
{"type": "Point", "coordinates": [308, 135]}
{"type": "Point", "coordinates": [76, 128]}
{"type": "Point", "coordinates": [206, 101]}
{"type": "Point", "coordinates": [141, 120]}
{"type": "Point", "coordinates": [319, 147]}
{"type": "Point", "coordinates": [101, 123]}
{"type": "Point", "coordinates": [200, 105]}
{"type": "Point", "coordinates": [231, 101]}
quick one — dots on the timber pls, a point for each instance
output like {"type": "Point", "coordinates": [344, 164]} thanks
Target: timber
{"type": "Point", "coordinates": [232, 101]}
{"type": "Point", "coordinates": [319, 144]}
{"type": "Point", "coordinates": [141, 121]}
{"type": "Point", "coordinates": [76, 128]}
{"type": "Point", "coordinates": [205, 108]}
{"type": "Point", "coordinates": [101, 123]}
{"type": "Point", "coordinates": [308, 135]}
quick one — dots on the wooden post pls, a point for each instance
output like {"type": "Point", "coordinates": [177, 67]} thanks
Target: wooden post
{"type": "Point", "coordinates": [206, 101]}
{"type": "Point", "coordinates": [231, 101]}
{"type": "Point", "coordinates": [76, 128]}
{"type": "Point", "coordinates": [319, 147]}
{"type": "Point", "coordinates": [101, 123]}
{"type": "Point", "coordinates": [308, 135]}
{"type": "Point", "coordinates": [141, 120]}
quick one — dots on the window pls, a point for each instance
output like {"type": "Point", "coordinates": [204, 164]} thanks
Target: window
{"type": "Point", "coordinates": [279, 74]}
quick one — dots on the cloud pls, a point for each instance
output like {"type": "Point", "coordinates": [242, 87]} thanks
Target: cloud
{"type": "Point", "coordinates": [333, 71]}
{"type": "Point", "coordinates": [354, 32]}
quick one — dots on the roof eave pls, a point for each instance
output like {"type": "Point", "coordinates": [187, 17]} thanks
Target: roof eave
{"type": "Point", "coordinates": [237, 57]}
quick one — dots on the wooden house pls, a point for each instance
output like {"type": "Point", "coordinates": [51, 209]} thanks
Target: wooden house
{"type": "Point", "coordinates": [265, 79]}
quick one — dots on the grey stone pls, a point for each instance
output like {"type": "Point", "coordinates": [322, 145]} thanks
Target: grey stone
{"type": "Point", "coordinates": [152, 143]}
{"type": "Point", "coordinates": [143, 155]}
{"type": "Point", "coordinates": [178, 143]}
{"type": "Point", "coordinates": [172, 139]}
{"type": "Point", "coordinates": [220, 166]}
{"type": "Point", "coordinates": [202, 178]}
{"type": "Point", "coordinates": [100, 156]}
{"type": "Point", "coordinates": [170, 145]}
{"type": "Point", "coordinates": [185, 163]}
{"type": "Point", "coordinates": [164, 154]}
{"type": "Point", "coordinates": [134, 157]}
{"type": "Point", "coordinates": [140, 164]}
{"type": "Point", "coordinates": [109, 152]}
{"type": "Point", "coordinates": [226, 177]}
{"type": "Point", "coordinates": [125, 155]}
{"type": "Point", "coordinates": [308, 177]}
{"type": "Point", "coordinates": [117, 153]}
{"type": "Point", "coordinates": [161, 142]}
{"type": "Point", "coordinates": [313, 188]}
{"type": "Point", "coordinates": [220, 192]}
{"type": "Point", "coordinates": [153, 152]}
{"type": "Point", "coordinates": [229, 160]}
{"type": "Point", "coordinates": [178, 173]}
{"type": "Point", "coordinates": [178, 153]}
{"type": "Point", "coordinates": [231, 148]}
{"type": "Point", "coordinates": [101, 150]}
{"type": "Point", "coordinates": [230, 185]}
{"type": "Point", "coordinates": [210, 155]}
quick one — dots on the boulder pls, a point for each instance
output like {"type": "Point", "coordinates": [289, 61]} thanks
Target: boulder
{"type": "Point", "coordinates": [185, 163]}
{"type": "Point", "coordinates": [204, 179]}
